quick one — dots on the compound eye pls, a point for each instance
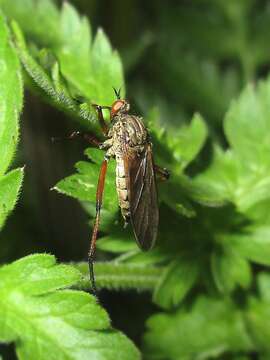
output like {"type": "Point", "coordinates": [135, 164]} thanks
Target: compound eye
{"type": "Point", "coordinates": [117, 106]}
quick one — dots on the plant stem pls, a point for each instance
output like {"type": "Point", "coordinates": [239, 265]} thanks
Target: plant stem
{"type": "Point", "coordinates": [116, 276]}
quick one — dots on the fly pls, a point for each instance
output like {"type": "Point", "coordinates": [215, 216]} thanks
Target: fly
{"type": "Point", "coordinates": [127, 140]}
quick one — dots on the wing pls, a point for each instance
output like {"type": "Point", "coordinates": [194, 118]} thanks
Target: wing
{"type": "Point", "coordinates": [142, 192]}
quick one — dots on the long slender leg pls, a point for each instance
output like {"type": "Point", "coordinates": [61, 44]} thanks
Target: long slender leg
{"type": "Point", "coordinates": [90, 138]}
{"type": "Point", "coordinates": [99, 197]}
{"type": "Point", "coordinates": [102, 122]}
{"type": "Point", "coordinates": [162, 173]}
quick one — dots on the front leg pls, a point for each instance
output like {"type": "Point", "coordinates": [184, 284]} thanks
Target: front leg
{"type": "Point", "coordinates": [104, 126]}
{"type": "Point", "coordinates": [90, 138]}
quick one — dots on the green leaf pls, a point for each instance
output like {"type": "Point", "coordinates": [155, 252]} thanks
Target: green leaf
{"type": "Point", "coordinates": [47, 321]}
{"type": "Point", "coordinates": [210, 328]}
{"type": "Point", "coordinates": [217, 183]}
{"type": "Point", "coordinates": [254, 244]}
{"type": "Point", "coordinates": [202, 193]}
{"type": "Point", "coordinates": [175, 196]}
{"type": "Point", "coordinates": [250, 142]}
{"type": "Point", "coordinates": [259, 213]}
{"type": "Point", "coordinates": [83, 185]}
{"type": "Point", "coordinates": [263, 283]}
{"type": "Point", "coordinates": [175, 282]}
{"type": "Point", "coordinates": [241, 174]}
{"type": "Point", "coordinates": [230, 269]}
{"type": "Point", "coordinates": [10, 185]}
{"type": "Point", "coordinates": [177, 148]}
{"type": "Point", "coordinates": [11, 97]}
{"type": "Point", "coordinates": [138, 257]}
{"type": "Point", "coordinates": [50, 84]}
{"type": "Point", "coordinates": [200, 81]}
{"type": "Point", "coordinates": [175, 151]}
{"type": "Point", "coordinates": [117, 242]}
{"type": "Point", "coordinates": [257, 314]}
{"type": "Point", "coordinates": [39, 19]}
{"type": "Point", "coordinates": [91, 68]}
{"type": "Point", "coordinates": [74, 49]}
{"type": "Point", "coordinates": [107, 70]}
{"type": "Point", "coordinates": [188, 141]}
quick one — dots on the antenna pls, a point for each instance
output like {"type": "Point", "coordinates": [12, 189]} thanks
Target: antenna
{"type": "Point", "coordinates": [117, 93]}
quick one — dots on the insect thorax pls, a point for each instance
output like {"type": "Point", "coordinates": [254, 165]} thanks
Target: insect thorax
{"type": "Point", "coordinates": [127, 132]}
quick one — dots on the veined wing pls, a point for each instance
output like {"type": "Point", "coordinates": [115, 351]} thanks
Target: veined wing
{"type": "Point", "coordinates": [142, 193]}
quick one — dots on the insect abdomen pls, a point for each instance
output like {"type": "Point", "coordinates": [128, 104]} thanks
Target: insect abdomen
{"type": "Point", "coordinates": [121, 187]}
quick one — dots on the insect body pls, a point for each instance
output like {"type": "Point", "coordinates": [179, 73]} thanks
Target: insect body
{"type": "Point", "coordinates": [127, 141]}
{"type": "Point", "coordinates": [135, 178]}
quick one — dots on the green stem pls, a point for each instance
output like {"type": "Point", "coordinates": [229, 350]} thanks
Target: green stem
{"type": "Point", "coordinates": [118, 276]}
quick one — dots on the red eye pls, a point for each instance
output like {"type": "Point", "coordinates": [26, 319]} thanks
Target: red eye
{"type": "Point", "coordinates": [117, 106]}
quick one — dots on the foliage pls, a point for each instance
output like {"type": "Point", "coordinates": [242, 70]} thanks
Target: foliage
{"type": "Point", "coordinates": [219, 44]}
{"type": "Point", "coordinates": [244, 167]}
{"type": "Point", "coordinates": [48, 321]}
{"type": "Point", "coordinates": [217, 331]}
{"type": "Point", "coordinates": [70, 56]}
{"type": "Point", "coordinates": [10, 106]}
{"type": "Point", "coordinates": [208, 275]}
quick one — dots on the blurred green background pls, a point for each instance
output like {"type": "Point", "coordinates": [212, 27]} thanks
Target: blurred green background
{"type": "Point", "coordinates": [179, 57]}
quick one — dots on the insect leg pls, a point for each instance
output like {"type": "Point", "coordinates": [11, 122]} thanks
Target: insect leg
{"type": "Point", "coordinates": [101, 120]}
{"type": "Point", "coordinates": [162, 173]}
{"type": "Point", "coordinates": [90, 138]}
{"type": "Point", "coordinates": [99, 197]}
